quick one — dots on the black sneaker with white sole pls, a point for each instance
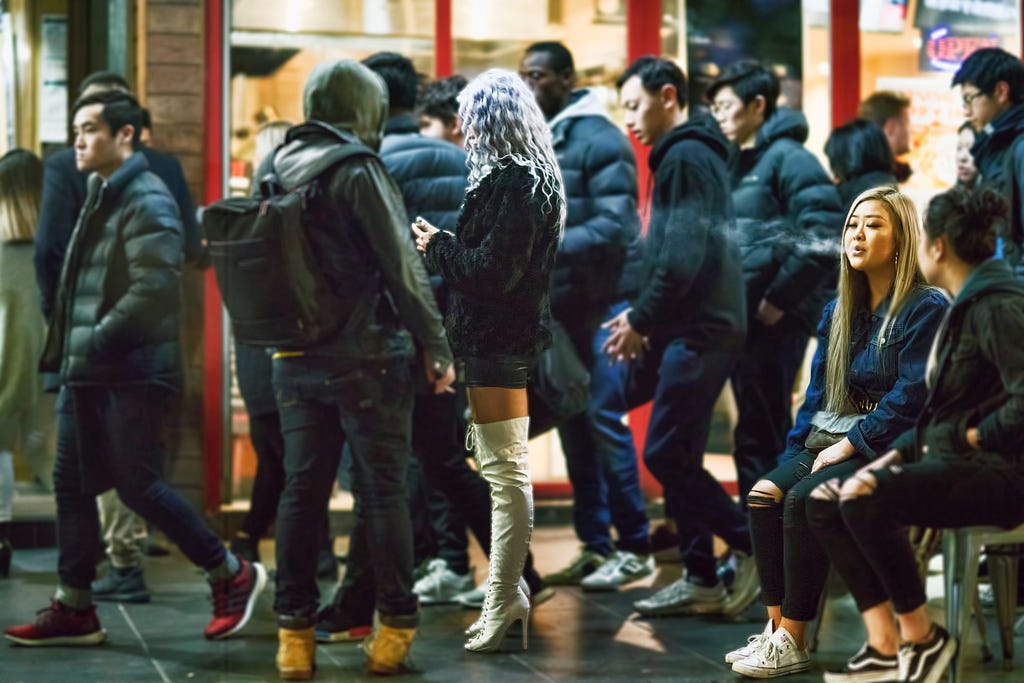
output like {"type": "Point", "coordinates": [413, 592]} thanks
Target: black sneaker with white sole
{"type": "Point", "coordinates": [926, 662]}
{"type": "Point", "coordinates": [867, 666]}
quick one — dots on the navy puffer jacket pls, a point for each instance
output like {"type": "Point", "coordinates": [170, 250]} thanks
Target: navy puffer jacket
{"type": "Point", "coordinates": [599, 175]}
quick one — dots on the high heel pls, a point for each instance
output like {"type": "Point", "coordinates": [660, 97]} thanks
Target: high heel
{"type": "Point", "coordinates": [478, 625]}
{"type": "Point", "coordinates": [497, 618]}
{"type": "Point", "coordinates": [5, 557]}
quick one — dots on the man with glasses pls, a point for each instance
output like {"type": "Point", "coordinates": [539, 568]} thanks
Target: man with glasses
{"type": "Point", "coordinates": [991, 84]}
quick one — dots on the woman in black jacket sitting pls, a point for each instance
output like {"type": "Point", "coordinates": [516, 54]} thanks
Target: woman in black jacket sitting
{"type": "Point", "coordinates": [497, 265]}
{"type": "Point", "coordinates": [964, 452]}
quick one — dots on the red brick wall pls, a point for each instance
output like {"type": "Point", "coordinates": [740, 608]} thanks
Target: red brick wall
{"type": "Point", "coordinates": [171, 70]}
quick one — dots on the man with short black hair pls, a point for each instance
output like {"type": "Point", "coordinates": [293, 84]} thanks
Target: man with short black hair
{"type": "Point", "coordinates": [991, 84]}
{"type": "Point", "coordinates": [114, 342]}
{"type": "Point", "coordinates": [64, 191]}
{"type": "Point", "coordinates": [599, 173]}
{"type": "Point", "coordinates": [683, 331]}
{"type": "Point", "coordinates": [890, 111]}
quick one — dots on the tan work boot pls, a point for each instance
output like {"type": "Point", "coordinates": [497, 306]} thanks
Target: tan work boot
{"type": "Point", "coordinates": [387, 648]}
{"type": "Point", "coordinates": [296, 654]}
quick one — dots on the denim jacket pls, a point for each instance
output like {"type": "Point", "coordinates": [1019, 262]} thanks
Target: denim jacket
{"type": "Point", "coordinates": [886, 372]}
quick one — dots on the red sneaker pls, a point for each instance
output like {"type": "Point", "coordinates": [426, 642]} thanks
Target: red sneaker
{"type": "Point", "coordinates": [58, 624]}
{"type": "Point", "coordinates": [234, 599]}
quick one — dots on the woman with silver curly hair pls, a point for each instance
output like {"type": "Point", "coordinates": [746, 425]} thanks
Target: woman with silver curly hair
{"type": "Point", "coordinates": [498, 264]}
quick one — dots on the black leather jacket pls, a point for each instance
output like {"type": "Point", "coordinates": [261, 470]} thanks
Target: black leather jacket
{"type": "Point", "coordinates": [365, 251]}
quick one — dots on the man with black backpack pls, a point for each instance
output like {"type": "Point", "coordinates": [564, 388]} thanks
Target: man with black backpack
{"type": "Point", "coordinates": [354, 383]}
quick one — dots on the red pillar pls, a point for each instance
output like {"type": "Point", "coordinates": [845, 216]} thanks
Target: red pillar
{"type": "Point", "coordinates": [213, 362]}
{"type": "Point", "coordinates": [844, 37]}
{"type": "Point", "coordinates": [643, 37]}
{"type": "Point", "coordinates": [442, 38]}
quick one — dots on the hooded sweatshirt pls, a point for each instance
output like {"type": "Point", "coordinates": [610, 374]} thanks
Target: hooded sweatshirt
{"type": "Point", "coordinates": [691, 261]}
{"type": "Point", "coordinates": [364, 246]}
{"type": "Point", "coordinates": [599, 177]}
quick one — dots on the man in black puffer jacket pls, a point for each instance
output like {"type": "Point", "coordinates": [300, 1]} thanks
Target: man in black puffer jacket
{"type": "Point", "coordinates": [114, 340]}
{"type": "Point", "coordinates": [789, 220]}
{"type": "Point", "coordinates": [599, 174]}
{"type": "Point", "coordinates": [682, 333]}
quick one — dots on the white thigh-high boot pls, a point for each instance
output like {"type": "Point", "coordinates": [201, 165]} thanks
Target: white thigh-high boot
{"type": "Point", "coordinates": [501, 453]}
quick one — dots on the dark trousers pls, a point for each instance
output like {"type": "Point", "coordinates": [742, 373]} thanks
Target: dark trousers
{"type": "Point", "coordinates": [111, 436]}
{"type": "Point", "coordinates": [324, 402]}
{"type": "Point", "coordinates": [599, 454]}
{"type": "Point", "coordinates": [792, 565]}
{"type": "Point", "coordinates": [267, 441]}
{"type": "Point", "coordinates": [685, 383]}
{"type": "Point", "coordinates": [446, 471]}
{"type": "Point", "coordinates": [762, 384]}
{"type": "Point", "coordinates": [866, 538]}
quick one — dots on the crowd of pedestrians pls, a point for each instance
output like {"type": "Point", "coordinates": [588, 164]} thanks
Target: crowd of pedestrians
{"type": "Point", "coordinates": [464, 221]}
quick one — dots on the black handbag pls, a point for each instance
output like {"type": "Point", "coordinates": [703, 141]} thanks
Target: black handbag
{"type": "Point", "coordinates": [558, 386]}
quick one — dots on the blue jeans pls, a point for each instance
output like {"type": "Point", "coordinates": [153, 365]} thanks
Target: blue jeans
{"type": "Point", "coordinates": [685, 383]}
{"type": "Point", "coordinates": [600, 456]}
{"type": "Point", "coordinates": [325, 402]}
{"type": "Point", "coordinates": [111, 436]}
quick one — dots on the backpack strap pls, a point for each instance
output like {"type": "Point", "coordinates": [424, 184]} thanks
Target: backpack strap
{"type": "Point", "coordinates": [316, 163]}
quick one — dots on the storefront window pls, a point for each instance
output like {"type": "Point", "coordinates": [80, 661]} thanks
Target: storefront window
{"type": "Point", "coordinates": [914, 49]}
{"type": "Point", "coordinates": [494, 33]}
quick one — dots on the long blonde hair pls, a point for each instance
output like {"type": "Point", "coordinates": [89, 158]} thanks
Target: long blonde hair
{"type": "Point", "coordinates": [854, 294]}
{"type": "Point", "coordinates": [21, 189]}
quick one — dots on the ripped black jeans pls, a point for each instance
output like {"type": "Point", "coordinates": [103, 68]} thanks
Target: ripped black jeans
{"type": "Point", "coordinates": [791, 563]}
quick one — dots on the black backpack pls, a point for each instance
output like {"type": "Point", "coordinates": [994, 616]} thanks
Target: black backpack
{"type": "Point", "coordinates": [269, 275]}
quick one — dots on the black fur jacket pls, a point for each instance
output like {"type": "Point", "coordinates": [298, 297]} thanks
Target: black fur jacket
{"type": "Point", "coordinates": [498, 266]}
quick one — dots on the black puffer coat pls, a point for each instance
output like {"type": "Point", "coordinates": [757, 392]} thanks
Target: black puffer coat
{"type": "Point", "coordinates": [691, 261]}
{"type": "Point", "coordinates": [116, 316]}
{"type": "Point", "coordinates": [789, 219]}
{"type": "Point", "coordinates": [599, 172]}
{"type": "Point", "coordinates": [978, 378]}
{"type": "Point", "coordinates": [498, 266]}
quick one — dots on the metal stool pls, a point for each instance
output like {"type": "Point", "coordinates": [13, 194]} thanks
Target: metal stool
{"type": "Point", "coordinates": [961, 550]}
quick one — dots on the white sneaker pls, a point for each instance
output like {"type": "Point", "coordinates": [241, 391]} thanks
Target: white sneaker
{"type": "Point", "coordinates": [753, 642]}
{"type": "Point", "coordinates": [440, 585]}
{"type": "Point", "coordinates": [620, 568]}
{"type": "Point", "coordinates": [745, 587]}
{"type": "Point", "coordinates": [777, 656]}
{"type": "Point", "coordinates": [473, 598]}
{"type": "Point", "coordinates": [683, 597]}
